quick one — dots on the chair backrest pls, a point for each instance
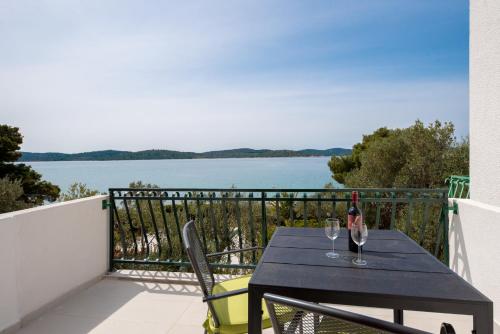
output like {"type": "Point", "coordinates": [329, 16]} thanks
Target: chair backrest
{"type": "Point", "coordinates": [290, 316]}
{"type": "Point", "coordinates": [197, 257]}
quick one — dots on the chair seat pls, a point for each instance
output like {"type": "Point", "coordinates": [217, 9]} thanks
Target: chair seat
{"type": "Point", "coordinates": [232, 312]}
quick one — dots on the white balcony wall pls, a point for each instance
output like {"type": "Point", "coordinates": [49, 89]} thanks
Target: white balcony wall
{"type": "Point", "coordinates": [474, 232]}
{"type": "Point", "coordinates": [474, 251]}
{"type": "Point", "coordinates": [48, 252]}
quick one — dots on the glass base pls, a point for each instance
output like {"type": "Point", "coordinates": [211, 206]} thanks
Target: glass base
{"type": "Point", "coordinates": [359, 262]}
{"type": "Point", "coordinates": [332, 255]}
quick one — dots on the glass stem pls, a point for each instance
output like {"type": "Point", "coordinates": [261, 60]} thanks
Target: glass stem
{"type": "Point", "coordinates": [359, 253]}
{"type": "Point", "coordinates": [333, 245]}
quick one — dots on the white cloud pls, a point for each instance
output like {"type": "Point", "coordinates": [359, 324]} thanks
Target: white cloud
{"type": "Point", "coordinates": [79, 76]}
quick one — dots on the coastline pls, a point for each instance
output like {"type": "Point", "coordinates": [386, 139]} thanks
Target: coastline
{"type": "Point", "coordinates": [204, 158]}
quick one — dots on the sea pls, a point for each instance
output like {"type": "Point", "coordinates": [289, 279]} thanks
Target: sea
{"type": "Point", "coordinates": [276, 173]}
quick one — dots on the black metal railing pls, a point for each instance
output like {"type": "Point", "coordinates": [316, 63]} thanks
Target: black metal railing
{"type": "Point", "coordinates": [146, 224]}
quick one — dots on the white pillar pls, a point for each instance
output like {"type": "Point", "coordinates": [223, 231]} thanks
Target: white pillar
{"type": "Point", "coordinates": [485, 101]}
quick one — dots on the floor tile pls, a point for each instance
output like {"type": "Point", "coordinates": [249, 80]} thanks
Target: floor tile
{"type": "Point", "coordinates": [122, 306]}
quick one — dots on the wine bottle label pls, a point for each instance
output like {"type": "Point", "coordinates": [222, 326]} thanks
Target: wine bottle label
{"type": "Point", "coordinates": [350, 221]}
{"type": "Point", "coordinates": [353, 219]}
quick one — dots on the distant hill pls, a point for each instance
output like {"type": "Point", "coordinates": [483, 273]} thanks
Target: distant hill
{"type": "Point", "coordinates": [167, 154]}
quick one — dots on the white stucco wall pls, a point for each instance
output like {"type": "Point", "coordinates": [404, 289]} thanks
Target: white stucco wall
{"type": "Point", "coordinates": [9, 307]}
{"type": "Point", "coordinates": [47, 252]}
{"type": "Point", "coordinates": [474, 231]}
{"type": "Point", "coordinates": [474, 253]}
{"type": "Point", "coordinates": [485, 101]}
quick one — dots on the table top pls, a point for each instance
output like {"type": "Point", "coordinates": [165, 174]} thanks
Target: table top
{"type": "Point", "coordinates": [398, 270]}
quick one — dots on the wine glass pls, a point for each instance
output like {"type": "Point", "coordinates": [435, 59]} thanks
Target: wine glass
{"type": "Point", "coordinates": [359, 234]}
{"type": "Point", "coordinates": [332, 229]}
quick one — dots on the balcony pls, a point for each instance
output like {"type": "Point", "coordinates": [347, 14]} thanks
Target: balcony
{"type": "Point", "coordinates": [134, 305]}
{"type": "Point", "coordinates": [56, 258]}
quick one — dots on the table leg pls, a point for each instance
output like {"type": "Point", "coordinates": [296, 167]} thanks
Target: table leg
{"type": "Point", "coordinates": [483, 320]}
{"type": "Point", "coordinates": [254, 311]}
{"type": "Point", "coordinates": [398, 317]}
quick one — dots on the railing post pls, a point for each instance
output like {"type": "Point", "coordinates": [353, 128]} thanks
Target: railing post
{"type": "Point", "coordinates": [318, 209]}
{"type": "Point", "coordinates": [347, 197]}
{"type": "Point", "coordinates": [278, 212]}
{"type": "Point", "coordinates": [111, 231]}
{"type": "Point", "coordinates": [393, 210]}
{"type": "Point", "coordinates": [305, 210]}
{"type": "Point", "coordinates": [410, 212]}
{"type": "Point", "coordinates": [264, 219]}
{"type": "Point", "coordinates": [176, 218]}
{"type": "Point", "coordinates": [292, 214]}
{"type": "Point", "coordinates": [446, 222]}
{"type": "Point", "coordinates": [213, 221]}
{"type": "Point", "coordinates": [252, 226]}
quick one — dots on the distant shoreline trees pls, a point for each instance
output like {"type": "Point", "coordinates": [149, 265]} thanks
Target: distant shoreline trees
{"type": "Point", "coordinates": [167, 154]}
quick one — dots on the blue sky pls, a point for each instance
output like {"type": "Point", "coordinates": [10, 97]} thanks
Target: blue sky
{"type": "Point", "coordinates": [202, 75]}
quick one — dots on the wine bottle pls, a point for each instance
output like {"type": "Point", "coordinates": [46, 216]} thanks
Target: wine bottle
{"type": "Point", "coordinates": [351, 217]}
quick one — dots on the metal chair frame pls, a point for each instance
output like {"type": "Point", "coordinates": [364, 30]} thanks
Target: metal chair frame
{"type": "Point", "coordinates": [303, 307]}
{"type": "Point", "coordinates": [208, 297]}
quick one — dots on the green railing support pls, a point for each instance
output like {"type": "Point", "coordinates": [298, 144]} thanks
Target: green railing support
{"type": "Point", "coordinates": [278, 212]}
{"type": "Point", "coordinates": [454, 207]}
{"type": "Point", "coordinates": [263, 220]}
{"type": "Point", "coordinates": [410, 212]}
{"type": "Point", "coordinates": [238, 224]}
{"type": "Point", "coordinates": [446, 227]}
{"type": "Point", "coordinates": [458, 186]}
{"type": "Point", "coordinates": [393, 209]}
{"type": "Point", "coordinates": [305, 210]}
{"type": "Point", "coordinates": [111, 235]}
{"type": "Point", "coordinates": [252, 226]}
{"type": "Point", "coordinates": [377, 216]}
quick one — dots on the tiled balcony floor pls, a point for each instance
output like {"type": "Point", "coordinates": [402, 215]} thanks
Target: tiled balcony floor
{"type": "Point", "coordinates": [123, 306]}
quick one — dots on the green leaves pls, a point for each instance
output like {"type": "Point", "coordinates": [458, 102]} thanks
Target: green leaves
{"type": "Point", "coordinates": [10, 143]}
{"type": "Point", "coordinates": [416, 157]}
{"type": "Point", "coordinates": [35, 190]}
{"type": "Point", "coordinates": [11, 193]}
{"type": "Point", "coordinates": [77, 190]}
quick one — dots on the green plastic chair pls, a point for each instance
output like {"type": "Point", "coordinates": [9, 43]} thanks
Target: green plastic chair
{"type": "Point", "coordinates": [228, 300]}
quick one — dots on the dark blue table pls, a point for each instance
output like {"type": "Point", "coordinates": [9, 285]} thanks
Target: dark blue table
{"type": "Point", "coordinates": [400, 275]}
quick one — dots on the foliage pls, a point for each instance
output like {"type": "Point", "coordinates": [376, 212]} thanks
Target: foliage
{"type": "Point", "coordinates": [141, 185]}
{"type": "Point", "coordinates": [77, 190]}
{"type": "Point", "coordinates": [415, 157]}
{"type": "Point", "coordinates": [342, 165]}
{"type": "Point", "coordinates": [458, 158]}
{"type": "Point", "coordinates": [35, 190]}
{"type": "Point", "coordinates": [11, 193]}
{"type": "Point", "coordinates": [167, 154]}
{"type": "Point", "coordinates": [10, 141]}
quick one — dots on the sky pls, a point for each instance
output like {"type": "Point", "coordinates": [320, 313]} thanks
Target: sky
{"type": "Point", "coordinates": [204, 75]}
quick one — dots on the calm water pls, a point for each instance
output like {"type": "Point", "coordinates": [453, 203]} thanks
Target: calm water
{"type": "Point", "coordinates": [200, 173]}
